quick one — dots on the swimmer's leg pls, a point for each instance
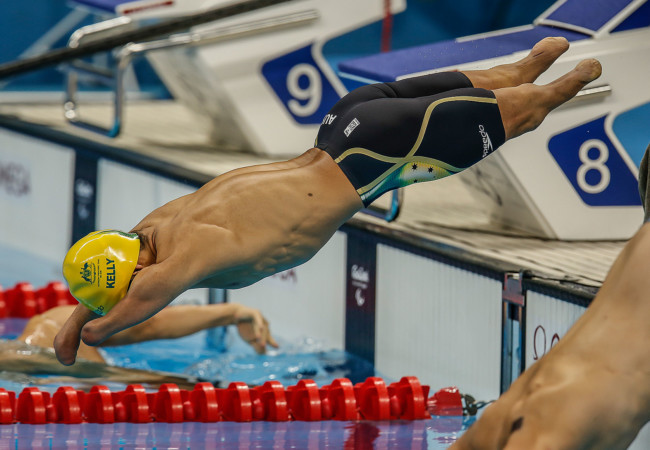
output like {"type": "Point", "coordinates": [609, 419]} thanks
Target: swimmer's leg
{"type": "Point", "coordinates": [401, 141]}
{"type": "Point", "coordinates": [523, 108]}
{"type": "Point", "coordinates": [526, 70]}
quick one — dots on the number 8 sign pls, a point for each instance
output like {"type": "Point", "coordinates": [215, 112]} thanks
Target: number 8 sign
{"type": "Point", "coordinates": [596, 164]}
{"type": "Point", "coordinates": [301, 85]}
{"type": "Point", "coordinates": [594, 167]}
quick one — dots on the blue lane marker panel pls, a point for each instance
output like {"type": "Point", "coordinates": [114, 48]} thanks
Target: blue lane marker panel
{"type": "Point", "coordinates": [593, 165]}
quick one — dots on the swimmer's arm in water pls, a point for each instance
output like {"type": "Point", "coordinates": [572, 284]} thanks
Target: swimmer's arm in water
{"type": "Point", "coordinates": [182, 320]}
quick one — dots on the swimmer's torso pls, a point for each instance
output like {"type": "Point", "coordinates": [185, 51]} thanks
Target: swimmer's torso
{"type": "Point", "coordinates": [286, 212]}
{"type": "Point", "coordinates": [586, 371]}
{"type": "Point", "coordinates": [551, 405]}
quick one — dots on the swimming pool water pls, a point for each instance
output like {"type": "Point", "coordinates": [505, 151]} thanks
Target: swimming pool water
{"type": "Point", "coordinates": [193, 356]}
{"type": "Point", "coordinates": [422, 434]}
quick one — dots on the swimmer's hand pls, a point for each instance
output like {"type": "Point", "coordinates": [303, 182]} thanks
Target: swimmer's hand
{"type": "Point", "coordinates": [151, 290]}
{"type": "Point", "coordinates": [254, 328]}
{"type": "Point", "coordinates": [67, 340]}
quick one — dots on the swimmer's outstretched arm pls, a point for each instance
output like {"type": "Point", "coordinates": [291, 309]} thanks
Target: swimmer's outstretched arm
{"type": "Point", "coordinates": [182, 320]}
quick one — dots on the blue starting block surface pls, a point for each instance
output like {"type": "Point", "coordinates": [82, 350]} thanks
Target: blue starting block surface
{"type": "Point", "coordinates": [588, 15]}
{"type": "Point", "coordinates": [103, 5]}
{"type": "Point", "coordinates": [393, 65]}
{"type": "Point", "coordinates": [639, 18]}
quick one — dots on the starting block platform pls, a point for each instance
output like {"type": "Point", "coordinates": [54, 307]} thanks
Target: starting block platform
{"type": "Point", "coordinates": [575, 177]}
{"type": "Point", "coordinates": [427, 58]}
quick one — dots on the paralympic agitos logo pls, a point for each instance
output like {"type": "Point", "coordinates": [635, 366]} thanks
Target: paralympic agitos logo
{"type": "Point", "coordinates": [91, 273]}
{"type": "Point", "coordinates": [15, 179]}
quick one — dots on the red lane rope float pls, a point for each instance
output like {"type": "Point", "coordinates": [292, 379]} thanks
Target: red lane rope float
{"type": "Point", "coordinates": [370, 400]}
{"type": "Point", "coordinates": [133, 402]}
{"type": "Point", "coordinates": [409, 399]}
{"type": "Point", "coordinates": [23, 301]}
{"type": "Point", "coordinates": [236, 404]}
{"type": "Point", "coordinates": [204, 399]}
{"type": "Point", "coordinates": [99, 406]}
{"type": "Point", "coordinates": [68, 405]}
{"type": "Point", "coordinates": [273, 401]}
{"type": "Point", "coordinates": [446, 402]}
{"type": "Point", "coordinates": [339, 401]}
{"type": "Point", "coordinates": [372, 397]}
{"type": "Point", "coordinates": [304, 401]}
{"type": "Point", "coordinates": [7, 406]}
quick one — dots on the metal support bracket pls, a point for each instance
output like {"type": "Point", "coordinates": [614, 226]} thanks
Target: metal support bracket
{"type": "Point", "coordinates": [513, 328]}
{"type": "Point", "coordinates": [388, 214]}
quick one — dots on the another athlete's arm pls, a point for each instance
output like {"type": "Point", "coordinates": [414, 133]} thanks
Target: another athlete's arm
{"type": "Point", "coordinates": [183, 320]}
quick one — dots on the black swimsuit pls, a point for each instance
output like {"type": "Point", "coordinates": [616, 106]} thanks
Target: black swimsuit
{"type": "Point", "coordinates": [389, 135]}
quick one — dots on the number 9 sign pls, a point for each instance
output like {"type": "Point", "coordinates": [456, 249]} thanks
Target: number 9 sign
{"type": "Point", "coordinates": [301, 85]}
{"type": "Point", "coordinates": [312, 92]}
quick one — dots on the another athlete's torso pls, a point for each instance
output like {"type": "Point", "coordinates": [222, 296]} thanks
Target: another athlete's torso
{"type": "Point", "coordinates": [592, 390]}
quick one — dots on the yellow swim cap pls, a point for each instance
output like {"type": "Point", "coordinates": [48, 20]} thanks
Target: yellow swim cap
{"type": "Point", "coordinates": [98, 268]}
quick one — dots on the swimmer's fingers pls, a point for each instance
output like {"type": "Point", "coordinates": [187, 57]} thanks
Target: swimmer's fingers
{"type": "Point", "coordinates": [269, 339]}
{"type": "Point", "coordinates": [67, 340]}
{"type": "Point", "coordinates": [151, 290]}
{"type": "Point", "coordinates": [125, 314]}
{"type": "Point", "coordinates": [264, 335]}
{"type": "Point", "coordinates": [254, 329]}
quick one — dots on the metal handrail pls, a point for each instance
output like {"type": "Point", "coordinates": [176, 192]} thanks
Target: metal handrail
{"type": "Point", "coordinates": [130, 51]}
{"type": "Point", "coordinates": [388, 214]}
{"type": "Point", "coordinates": [592, 92]}
{"type": "Point", "coordinates": [101, 30]}
{"type": "Point", "coordinates": [223, 33]}
{"type": "Point", "coordinates": [162, 28]}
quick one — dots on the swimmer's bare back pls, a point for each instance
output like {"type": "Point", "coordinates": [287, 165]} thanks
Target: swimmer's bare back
{"type": "Point", "coordinates": [250, 223]}
{"type": "Point", "coordinates": [592, 390]}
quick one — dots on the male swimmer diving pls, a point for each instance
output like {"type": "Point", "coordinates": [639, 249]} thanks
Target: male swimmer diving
{"type": "Point", "coordinates": [255, 221]}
